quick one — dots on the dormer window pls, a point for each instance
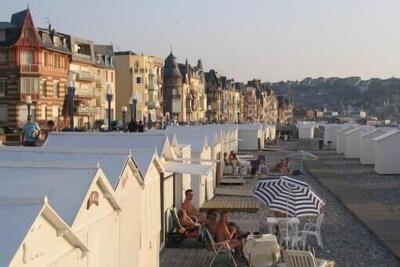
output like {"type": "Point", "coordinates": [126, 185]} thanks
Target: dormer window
{"type": "Point", "coordinates": [107, 63]}
{"type": "Point", "coordinates": [2, 35]}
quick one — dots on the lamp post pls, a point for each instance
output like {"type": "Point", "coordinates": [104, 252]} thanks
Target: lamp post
{"type": "Point", "coordinates": [28, 100]}
{"type": "Point", "coordinates": [124, 109]}
{"type": "Point", "coordinates": [109, 97]}
{"type": "Point", "coordinates": [71, 95]}
{"type": "Point", "coordinates": [167, 118]}
{"type": "Point", "coordinates": [209, 114]}
{"type": "Point", "coordinates": [132, 106]}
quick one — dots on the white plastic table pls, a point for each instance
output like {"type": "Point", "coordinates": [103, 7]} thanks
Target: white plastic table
{"type": "Point", "coordinates": [263, 251]}
{"type": "Point", "coordinates": [274, 221]}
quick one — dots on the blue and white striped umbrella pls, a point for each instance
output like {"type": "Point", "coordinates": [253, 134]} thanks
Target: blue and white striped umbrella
{"type": "Point", "coordinates": [285, 194]}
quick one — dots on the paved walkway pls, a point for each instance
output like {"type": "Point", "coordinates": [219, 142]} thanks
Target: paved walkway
{"type": "Point", "coordinates": [379, 218]}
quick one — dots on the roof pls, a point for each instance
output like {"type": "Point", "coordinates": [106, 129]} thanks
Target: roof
{"type": "Point", "coordinates": [65, 185]}
{"type": "Point", "coordinates": [14, 27]}
{"type": "Point", "coordinates": [171, 69]}
{"type": "Point", "coordinates": [112, 161]}
{"type": "Point", "coordinates": [144, 160]}
{"type": "Point", "coordinates": [45, 36]}
{"type": "Point", "coordinates": [112, 140]}
{"type": "Point", "coordinates": [377, 131]}
{"type": "Point", "coordinates": [104, 50]}
{"type": "Point", "coordinates": [386, 135]}
{"type": "Point", "coordinates": [198, 143]}
{"type": "Point", "coordinates": [19, 17]}
{"type": "Point", "coordinates": [190, 168]}
{"type": "Point", "coordinates": [121, 53]}
{"type": "Point", "coordinates": [19, 215]}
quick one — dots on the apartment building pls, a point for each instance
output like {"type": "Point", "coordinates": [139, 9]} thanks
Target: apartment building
{"type": "Point", "coordinates": [140, 76]}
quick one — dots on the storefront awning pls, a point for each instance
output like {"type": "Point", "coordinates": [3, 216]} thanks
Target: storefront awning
{"type": "Point", "coordinates": [187, 168]}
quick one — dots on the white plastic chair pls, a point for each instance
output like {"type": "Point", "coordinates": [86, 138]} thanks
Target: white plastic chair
{"type": "Point", "coordinates": [313, 229]}
{"type": "Point", "coordinates": [216, 248]}
{"type": "Point", "coordinates": [288, 233]}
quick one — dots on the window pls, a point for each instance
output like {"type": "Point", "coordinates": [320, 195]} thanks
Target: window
{"type": "Point", "coordinates": [54, 112]}
{"type": "Point", "coordinates": [46, 59]}
{"type": "Point", "coordinates": [3, 113]}
{"type": "Point", "coordinates": [138, 80]}
{"type": "Point", "coordinates": [136, 64]}
{"type": "Point", "coordinates": [30, 85]}
{"type": "Point", "coordinates": [26, 57]}
{"type": "Point", "coordinates": [56, 88]}
{"type": "Point", "coordinates": [57, 60]}
{"type": "Point", "coordinates": [3, 58]}
{"type": "Point", "coordinates": [112, 77]}
{"type": "Point", "coordinates": [2, 35]}
{"type": "Point", "coordinates": [3, 87]}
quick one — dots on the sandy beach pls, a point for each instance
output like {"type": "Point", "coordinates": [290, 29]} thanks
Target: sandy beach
{"type": "Point", "coordinates": [346, 240]}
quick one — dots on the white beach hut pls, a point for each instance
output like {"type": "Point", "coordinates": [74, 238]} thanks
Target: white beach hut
{"type": "Point", "coordinates": [121, 171]}
{"type": "Point", "coordinates": [250, 136]}
{"type": "Point", "coordinates": [367, 148]}
{"type": "Point", "coordinates": [202, 183]}
{"type": "Point", "coordinates": [330, 134]}
{"type": "Point", "coordinates": [353, 142]}
{"type": "Point", "coordinates": [341, 138]}
{"type": "Point", "coordinates": [81, 196]}
{"type": "Point", "coordinates": [387, 153]}
{"type": "Point", "coordinates": [33, 234]}
{"type": "Point", "coordinates": [306, 130]}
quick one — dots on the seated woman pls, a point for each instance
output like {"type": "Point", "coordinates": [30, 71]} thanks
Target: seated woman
{"type": "Point", "coordinates": [185, 220]}
{"type": "Point", "coordinates": [226, 160]}
{"type": "Point", "coordinates": [223, 233]}
{"type": "Point", "coordinates": [279, 167]}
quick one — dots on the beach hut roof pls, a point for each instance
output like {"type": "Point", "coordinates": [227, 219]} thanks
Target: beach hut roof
{"type": "Point", "coordinates": [386, 135]}
{"type": "Point", "coordinates": [19, 215]}
{"type": "Point", "coordinates": [112, 140]}
{"type": "Point", "coordinates": [65, 184]}
{"type": "Point", "coordinates": [112, 161]}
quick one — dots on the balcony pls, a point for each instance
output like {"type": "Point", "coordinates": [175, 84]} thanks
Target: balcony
{"type": "Point", "coordinates": [29, 68]}
{"type": "Point", "coordinates": [85, 76]}
{"type": "Point", "coordinates": [153, 105]}
{"type": "Point", "coordinates": [86, 92]}
{"type": "Point", "coordinates": [86, 110]}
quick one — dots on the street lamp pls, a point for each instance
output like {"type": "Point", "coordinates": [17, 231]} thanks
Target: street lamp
{"type": "Point", "coordinates": [71, 95]}
{"type": "Point", "coordinates": [167, 118]}
{"type": "Point", "coordinates": [209, 114]}
{"type": "Point", "coordinates": [28, 100]}
{"type": "Point", "coordinates": [132, 106]}
{"type": "Point", "coordinates": [124, 109]}
{"type": "Point", "coordinates": [109, 97]}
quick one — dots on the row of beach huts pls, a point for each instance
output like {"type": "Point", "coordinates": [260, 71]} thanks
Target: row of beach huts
{"type": "Point", "coordinates": [103, 199]}
{"type": "Point", "coordinates": [378, 146]}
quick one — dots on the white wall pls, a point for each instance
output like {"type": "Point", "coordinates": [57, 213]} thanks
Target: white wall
{"type": "Point", "coordinates": [249, 139]}
{"type": "Point", "coordinates": [353, 143]}
{"type": "Point", "coordinates": [330, 134]}
{"type": "Point", "coordinates": [387, 154]}
{"type": "Point", "coordinates": [44, 247]}
{"type": "Point", "coordinates": [367, 147]}
{"type": "Point", "coordinates": [341, 139]}
{"type": "Point", "coordinates": [129, 194]}
{"type": "Point", "coordinates": [306, 130]}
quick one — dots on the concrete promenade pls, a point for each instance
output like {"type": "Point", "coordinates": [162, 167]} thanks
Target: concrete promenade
{"type": "Point", "coordinates": [378, 217]}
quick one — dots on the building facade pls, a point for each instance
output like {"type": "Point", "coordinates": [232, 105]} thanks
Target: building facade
{"type": "Point", "coordinates": [139, 75]}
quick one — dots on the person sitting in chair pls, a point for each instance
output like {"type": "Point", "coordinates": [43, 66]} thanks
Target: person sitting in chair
{"type": "Point", "coordinates": [185, 220]}
{"type": "Point", "coordinates": [279, 167]}
{"type": "Point", "coordinates": [212, 221]}
{"type": "Point", "coordinates": [224, 233]}
{"type": "Point", "coordinates": [189, 207]}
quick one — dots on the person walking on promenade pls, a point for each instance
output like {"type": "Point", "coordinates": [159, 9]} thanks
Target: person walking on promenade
{"type": "Point", "coordinates": [30, 132]}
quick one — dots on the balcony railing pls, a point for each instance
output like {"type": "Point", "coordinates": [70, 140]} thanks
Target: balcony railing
{"type": "Point", "coordinates": [86, 92]}
{"type": "Point", "coordinates": [86, 110]}
{"type": "Point", "coordinates": [30, 68]}
{"type": "Point", "coordinates": [85, 76]}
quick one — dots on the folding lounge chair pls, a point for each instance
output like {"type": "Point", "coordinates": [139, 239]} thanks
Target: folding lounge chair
{"type": "Point", "coordinates": [216, 249]}
{"type": "Point", "coordinates": [301, 258]}
{"type": "Point", "coordinates": [176, 236]}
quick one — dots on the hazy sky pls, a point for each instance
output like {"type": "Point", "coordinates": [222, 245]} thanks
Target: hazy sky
{"type": "Point", "coordinates": [241, 39]}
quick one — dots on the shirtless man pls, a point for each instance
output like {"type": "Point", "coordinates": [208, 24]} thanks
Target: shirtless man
{"type": "Point", "coordinates": [212, 221]}
{"type": "Point", "coordinates": [223, 234]}
{"type": "Point", "coordinates": [185, 220]}
{"type": "Point", "coordinates": [189, 207]}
